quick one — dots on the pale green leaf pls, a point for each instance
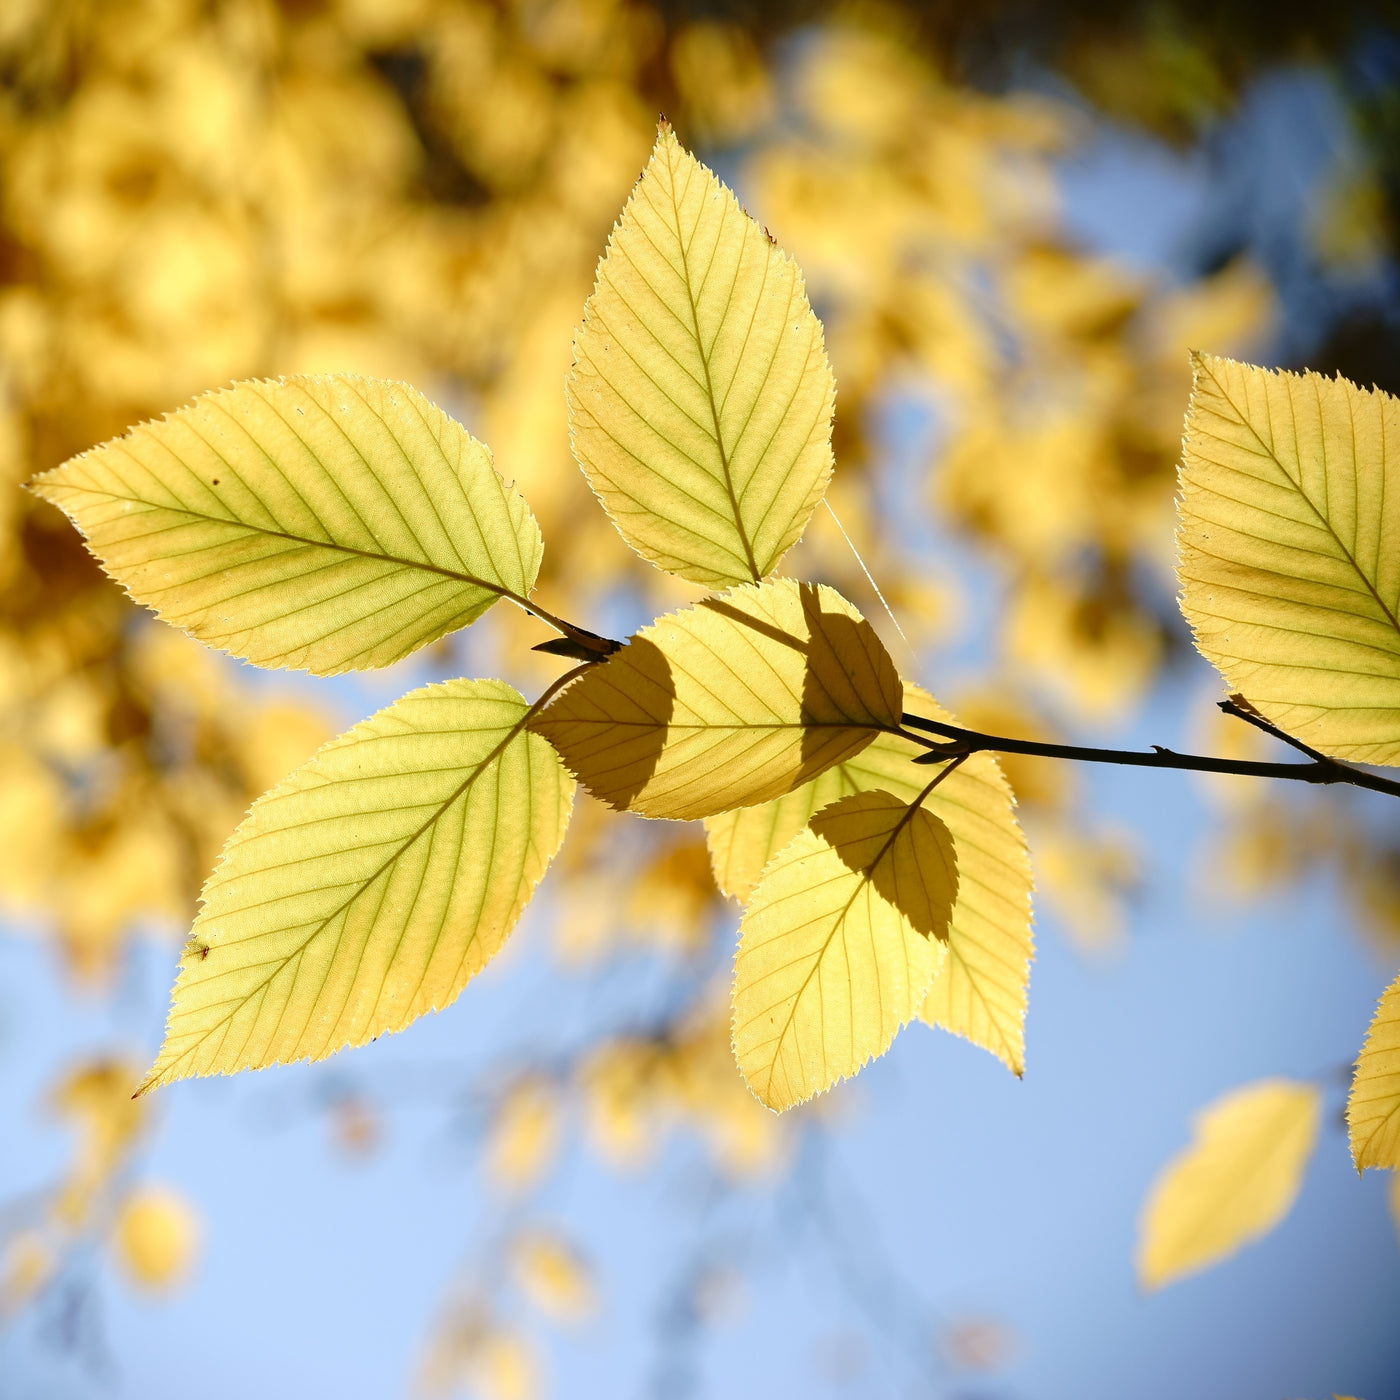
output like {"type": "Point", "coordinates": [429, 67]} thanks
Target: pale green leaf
{"type": "Point", "coordinates": [1289, 551]}
{"type": "Point", "coordinates": [371, 885]}
{"type": "Point", "coordinates": [1235, 1182]}
{"type": "Point", "coordinates": [321, 524]}
{"type": "Point", "coordinates": [980, 989]}
{"type": "Point", "coordinates": [700, 400]}
{"type": "Point", "coordinates": [1373, 1110]}
{"type": "Point", "coordinates": [731, 702]}
{"type": "Point", "coordinates": [839, 944]}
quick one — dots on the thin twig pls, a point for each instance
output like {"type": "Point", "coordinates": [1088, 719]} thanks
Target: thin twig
{"type": "Point", "coordinates": [967, 741]}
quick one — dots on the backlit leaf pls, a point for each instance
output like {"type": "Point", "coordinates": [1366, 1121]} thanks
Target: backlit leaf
{"type": "Point", "coordinates": [839, 944]}
{"type": "Point", "coordinates": [1373, 1111]}
{"type": "Point", "coordinates": [980, 989]}
{"type": "Point", "coordinates": [1290, 550]}
{"type": "Point", "coordinates": [371, 885]}
{"type": "Point", "coordinates": [728, 703]}
{"type": "Point", "coordinates": [1235, 1181]}
{"type": "Point", "coordinates": [321, 524]}
{"type": "Point", "coordinates": [700, 400]}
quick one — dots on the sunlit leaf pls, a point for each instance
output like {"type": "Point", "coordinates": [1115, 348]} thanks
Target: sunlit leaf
{"type": "Point", "coordinates": [371, 885]}
{"type": "Point", "coordinates": [980, 990]}
{"type": "Point", "coordinates": [157, 1237]}
{"type": "Point", "coordinates": [728, 703]}
{"type": "Point", "coordinates": [1373, 1111]}
{"type": "Point", "coordinates": [839, 944]}
{"type": "Point", "coordinates": [1290, 550]}
{"type": "Point", "coordinates": [321, 524]}
{"type": "Point", "coordinates": [1235, 1181]}
{"type": "Point", "coordinates": [701, 399]}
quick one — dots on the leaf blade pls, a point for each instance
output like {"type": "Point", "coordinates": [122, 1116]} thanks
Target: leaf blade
{"type": "Point", "coordinates": [980, 991]}
{"type": "Point", "coordinates": [730, 702]}
{"type": "Point", "coordinates": [700, 402]}
{"type": "Point", "coordinates": [1289, 550]}
{"type": "Point", "coordinates": [839, 943]}
{"type": "Point", "coordinates": [357, 880]}
{"type": "Point", "coordinates": [1235, 1181]}
{"type": "Point", "coordinates": [1373, 1106]}
{"type": "Point", "coordinates": [319, 523]}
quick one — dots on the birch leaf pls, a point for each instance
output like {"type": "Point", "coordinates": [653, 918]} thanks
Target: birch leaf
{"type": "Point", "coordinates": [1289, 551]}
{"type": "Point", "coordinates": [839, 944]}
{"type": "Point", "coordinates": [700, 400]}
{"type": "Point", "coordinates": [980, 990]}
{"type": "Point", "coordinates": [731, 702]}
{"type": "Point", "coordinates": [322, 524]}
{"type": "Point", "coordinates": [1235, 1182]}
{"type": "Point", "coordinates": [1373, 1110]}
{"type": "Point", "coordinates": [370, 886]}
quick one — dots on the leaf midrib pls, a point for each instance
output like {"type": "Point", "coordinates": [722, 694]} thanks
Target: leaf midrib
{"type": "Point", "coordinates": [498, 588]}
{"type": "Point", "coordinates": [364, 884]}
{"type": "Point", "coordinates": [1323, 520]}
{"type": "Point", "coordinates": [709, 382]}
{"type": "Point", "coordinates": [864, 878]}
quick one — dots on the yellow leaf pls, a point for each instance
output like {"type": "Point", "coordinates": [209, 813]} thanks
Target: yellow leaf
{"type": "Point", "coordinates": [523, 1135]}
{"type": "Point", "coordinates": [26, 1265]}
{"type": "Point", "coordinates": [1373, 1110]}
{"type": "Point", "coordinates": [700, 400]}
{"type": "Point", "coordinates": [1235, 1181]}
{"type": "Point", "coordinates": [157, 1237]}
{"type": "Point", "coordinates": [553, 1277]}
{"type": "Point", "coordinates": [370, 886]}
{"type": "Point", "coordinates": [837, 946]}
{"type": "Point", "coordinates": [1289, 550]}
{"type": "Point", "coordinates": [980, 992]}
{"type": "Point", "coordinates": [321, 524]}
{"type": "Point", "coordinates": [731, 702]}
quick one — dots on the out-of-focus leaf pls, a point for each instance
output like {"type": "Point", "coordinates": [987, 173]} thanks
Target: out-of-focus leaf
{"type": "Point", "coordinates": [1373, 1110]}
{"type": "Point", "coordinates": [1235, 1181]}
{"type": "Point", "coordinates": [523, 1135]}
{"type": "Point", "coordinates": [96, 1097]}
{"type": "Point", "coordinates": [321, 524]}
{"type": "Point", "coordinates": [731, 702]}
{"type": "Point", "coordinates": [551, 1274]}
{"type": "Point", "coordinates": [980, 991]}
{"type": "Point", "coordinates": [1290, 550]}
{"type": "Point", "coordinates": [701, 398]}
{"type": "Point", "coordinates": [156, 1237]}
{"type": "Point", "coordinates": [371, 885]}
{"type": "Point", "coordinates": [26, 1265]}
{"type": "Point", "coordinates": [839, 944]}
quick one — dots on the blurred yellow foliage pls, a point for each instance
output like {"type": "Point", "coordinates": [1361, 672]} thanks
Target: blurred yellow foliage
{"type": "Point", "coordinates": [549, 1271]}
{"type": "Point", "coordinates": [523, 1134]}
{"type": "Point", "coordinates": [471, 1352]}
{"type": "Point", "coordinates": [156, 1237]}
{"type": "Point", "coordinates": [636, 1090]}
{"type": "Point", "coordinates": [193, 193]}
